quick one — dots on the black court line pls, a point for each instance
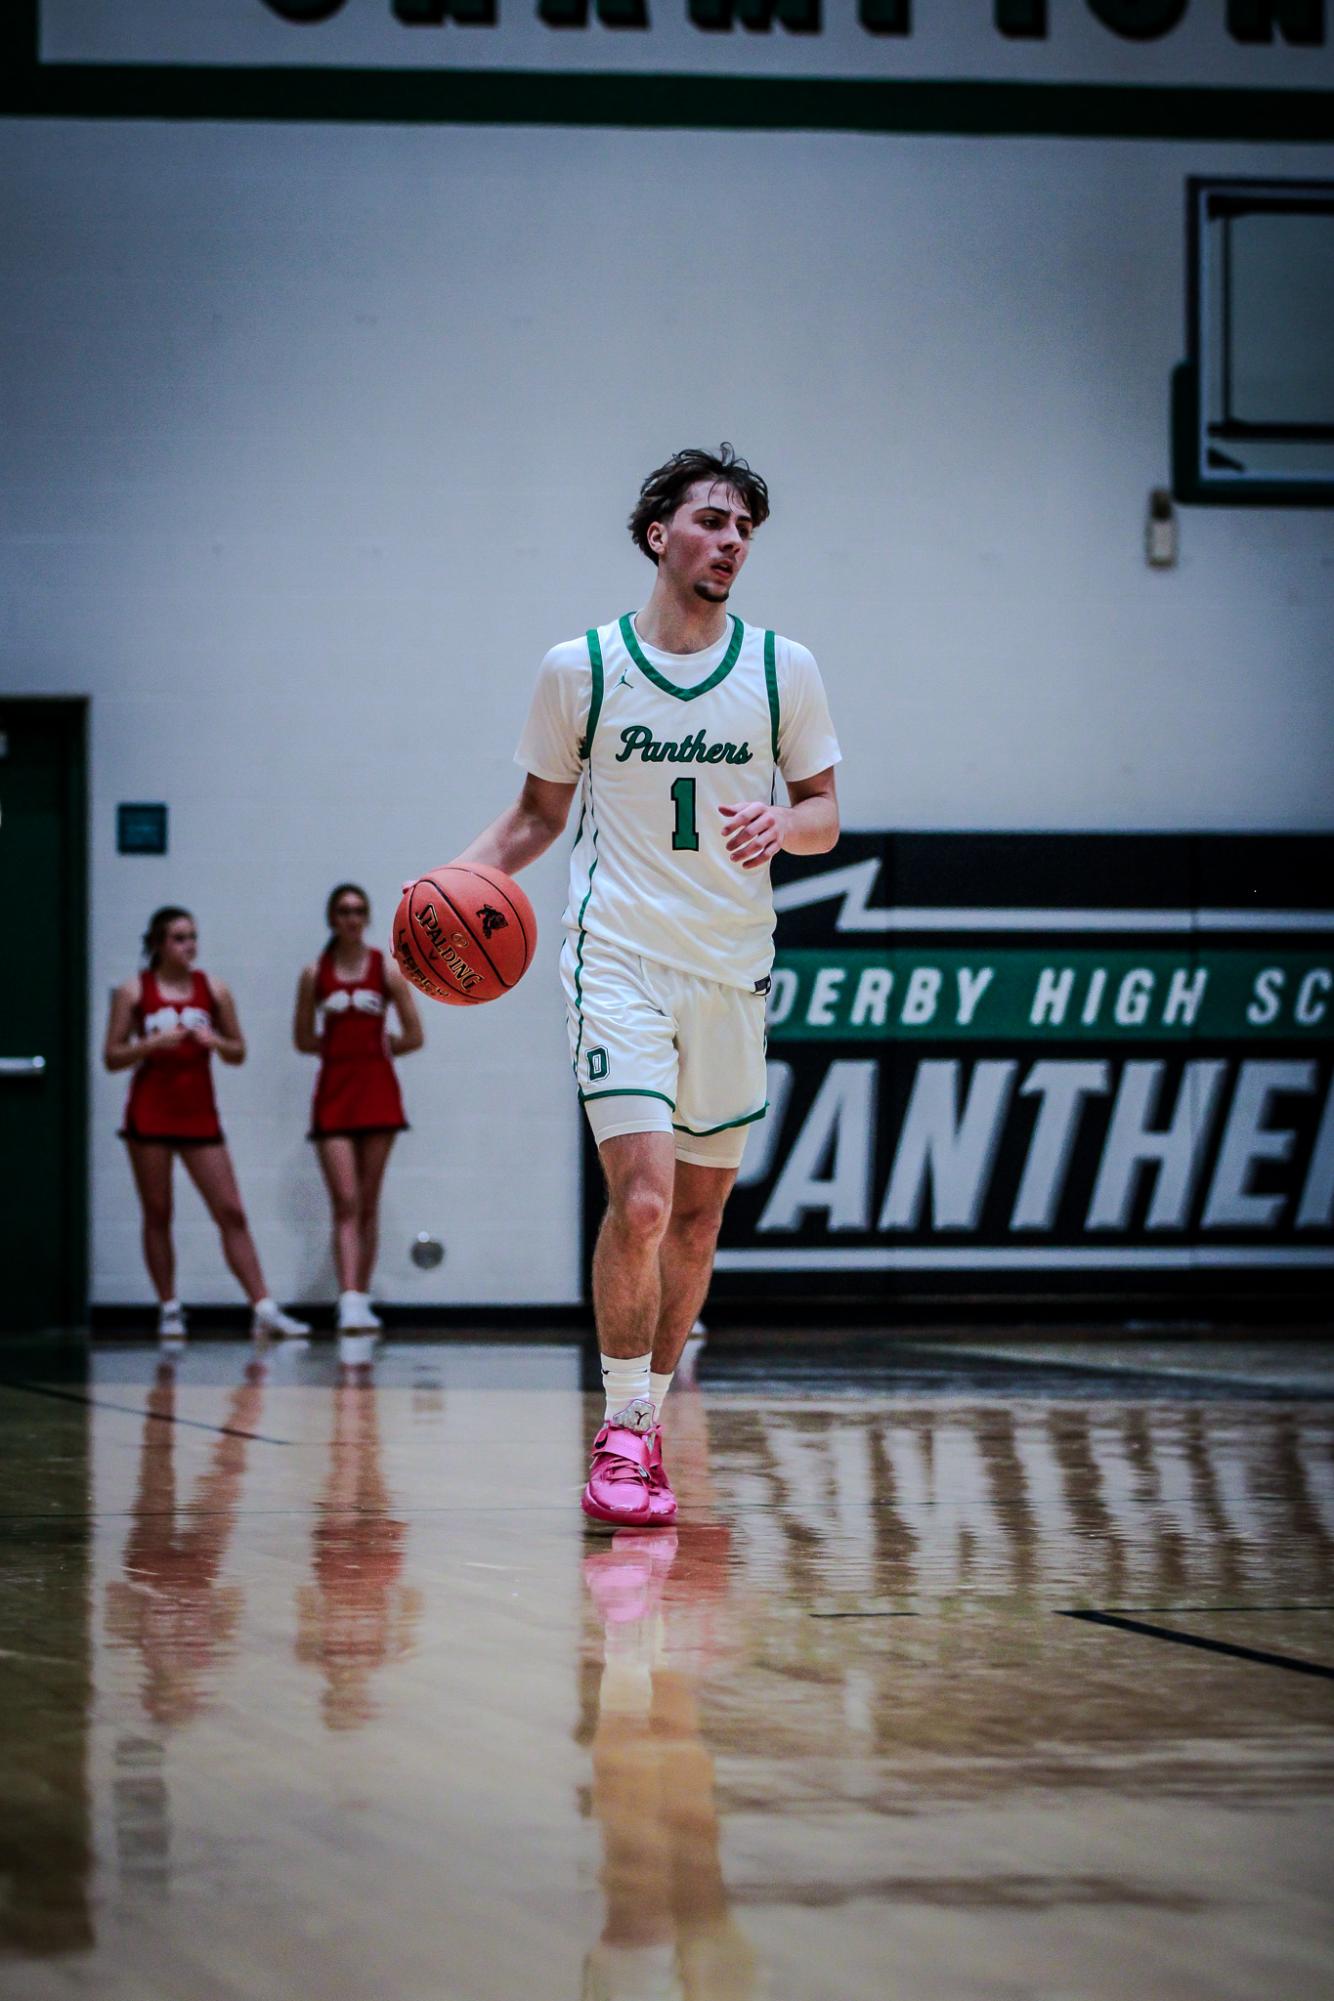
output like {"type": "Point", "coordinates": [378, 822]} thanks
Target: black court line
{"type": "Point", "coordinates": [1256, 1654]}
{"type": "Point", "coordinates": [132, 1410]}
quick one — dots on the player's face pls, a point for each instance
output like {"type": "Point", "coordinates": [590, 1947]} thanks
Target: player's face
{"type": "Point", "coordinates": [703, 545]}
{"type": "Point", "coordinates": [180, 945]}
{"type": "Point", "coordinates": [349, 917]}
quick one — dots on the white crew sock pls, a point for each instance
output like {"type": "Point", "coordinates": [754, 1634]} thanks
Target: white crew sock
{"type": "Point", "coordinates": [267, 1306]}
{"type": "Point", "coordinates": [625, 1380]}
{"type": "Point", "coordinates": [658, 1388]}
{"type": "Point", "coordinates": [172, 1305]}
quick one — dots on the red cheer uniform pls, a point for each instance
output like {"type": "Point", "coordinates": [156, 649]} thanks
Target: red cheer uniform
{"type": "Point", "coordinates": [171, 1095]}
{"type": "Point", "coordinates": [356, 1090]}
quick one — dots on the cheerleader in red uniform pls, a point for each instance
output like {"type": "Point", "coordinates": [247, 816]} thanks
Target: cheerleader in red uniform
{"type": "Point", "coordinates": [165, 1025]}
{"type": "Point", "coordinates": [341, 1017]}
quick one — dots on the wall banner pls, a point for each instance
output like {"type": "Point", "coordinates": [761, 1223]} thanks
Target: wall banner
{"type": "Point", "coordinates": [1243, 68]}
{"type": "Point", "coordinates": [1237, 43]}
{"type": "Point", "coordinates": [1030, 1064]}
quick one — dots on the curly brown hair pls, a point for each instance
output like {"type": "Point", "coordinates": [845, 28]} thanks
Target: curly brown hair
{"type": "Point", "coordinates": [666, 487]}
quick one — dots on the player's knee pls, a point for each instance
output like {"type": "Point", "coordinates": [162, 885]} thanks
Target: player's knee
{"type": "Point", "coordinates": [698, 1227]}
{"type": "Point", "coordinates": [642, 1209]}
{"type": "Point", "coordinates": [346, 1209]}
{"type": "Point", "coordinates": [157, 1212]}
{"type": "Point", "coordinates": [229, 1216]}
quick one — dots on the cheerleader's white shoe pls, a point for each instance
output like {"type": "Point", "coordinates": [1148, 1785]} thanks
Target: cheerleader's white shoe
{"type": "Point", "coordinates": [268, 1318]}
{"type": "Point", "coordinates": [356, 1314]}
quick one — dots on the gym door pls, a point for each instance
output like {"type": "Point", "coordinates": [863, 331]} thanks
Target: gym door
{"type": "Point", "coordinates": [43, 1041]}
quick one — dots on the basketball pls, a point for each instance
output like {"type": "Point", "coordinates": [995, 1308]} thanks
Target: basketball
{"type": "Point", "coordinates": [464, 934]}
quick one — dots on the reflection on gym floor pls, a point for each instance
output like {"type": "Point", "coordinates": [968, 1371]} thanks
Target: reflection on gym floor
{"type": "Point", "coordinates": [663, 1621]}
{"type": "Point", "coordinates": [312, 1665]}
{"type": "Point", "coordinates": [356, 1614]}
{"type": "Point", "coordinates": [171, 1606]}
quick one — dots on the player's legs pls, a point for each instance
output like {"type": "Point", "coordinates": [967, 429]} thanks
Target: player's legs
{"type": "Point", "coordinates": [338, 1164]}
{"type": "Point", "coordinates": [150, 1164]}
{"type": "Point", "coordinates": [685, 1256]}
{"type": "Point", "coordinates": [639, 1169]}
{"type": "Point", "coordinates": [623, 1051]}
{"type": "Point", "coordinates": [373, 1150]}
{"type": "Point", "coordinates": [720, 1093]}
{"type": "Point", "coordinates": [626, 1041]}
{"type": "Point", "coordinates": [211, 1170]}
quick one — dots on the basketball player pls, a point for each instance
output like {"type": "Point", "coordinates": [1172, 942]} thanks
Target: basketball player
{"type": "Point", "coordinates": [165, 1025]}
{"type": "Point", "coordinates": [341, 1005]}
{"type": "Point", "coordinates": [676, 723]}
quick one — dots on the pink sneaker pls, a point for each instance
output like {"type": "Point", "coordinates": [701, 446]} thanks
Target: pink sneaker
{"type": "Point", "coordinates": [618, 1478]}
{"type": "Point", "coordinates": [661, 1499]}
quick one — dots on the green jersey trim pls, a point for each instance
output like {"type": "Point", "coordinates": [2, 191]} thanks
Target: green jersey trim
{"type": "Point", "coordinates": [650, 673]}
{"type": "Point", "coordinates": [771, 690]}
{"type": "Point", "coordinates": [587, 1097]}
{"type": "Point", "coordinates": [594, 708]}
{"type": "Point", "coordinates": [704, 1132]}
{"type": "Point", "coordinates": [594, 693]}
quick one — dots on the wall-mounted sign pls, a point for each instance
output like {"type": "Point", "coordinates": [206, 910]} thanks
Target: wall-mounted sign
{"type": "Point", "coordinates": [141, 830]}
{"type": "Point", "coordinates": [1044, 1062]}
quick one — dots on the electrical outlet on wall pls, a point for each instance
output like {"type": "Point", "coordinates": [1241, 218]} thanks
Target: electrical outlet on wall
{"type": "Point", "coordinates": [1160, 530]}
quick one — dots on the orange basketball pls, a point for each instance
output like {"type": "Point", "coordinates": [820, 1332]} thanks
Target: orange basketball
{"type": "Point", "coordinates": [464, 934]}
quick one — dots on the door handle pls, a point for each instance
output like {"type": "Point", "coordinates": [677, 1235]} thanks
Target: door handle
{"type": "Point", "coordinates": [22, 1066]}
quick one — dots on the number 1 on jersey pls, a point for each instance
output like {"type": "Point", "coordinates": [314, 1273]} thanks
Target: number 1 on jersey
{"type": "Point", "coordinates": [685, 834]}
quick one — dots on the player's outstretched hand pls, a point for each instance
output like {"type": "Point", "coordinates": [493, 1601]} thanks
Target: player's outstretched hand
{"type": "Point", "coordinates": [754, 831]}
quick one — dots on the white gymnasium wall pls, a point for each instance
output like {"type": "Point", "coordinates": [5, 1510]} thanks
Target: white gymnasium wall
{"type": "Point", "coordinates": [317, 438]}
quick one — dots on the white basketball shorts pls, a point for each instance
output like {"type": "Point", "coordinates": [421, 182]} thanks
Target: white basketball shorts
{"type": "Point", "coordinates": [657, 1050]}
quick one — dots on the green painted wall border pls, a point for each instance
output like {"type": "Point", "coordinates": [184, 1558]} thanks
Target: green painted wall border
{"type": "Point", "coordinates": [716, 103]}
{"type": "Point", "coordinates": [30, 89]}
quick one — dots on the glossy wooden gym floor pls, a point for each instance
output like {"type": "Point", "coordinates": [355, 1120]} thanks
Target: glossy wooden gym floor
{"type": "Point", "coordinates": [1002, 1673]}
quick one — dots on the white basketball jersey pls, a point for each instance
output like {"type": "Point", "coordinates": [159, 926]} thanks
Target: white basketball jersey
{"type": "Point", "coordinates": [650, 869]}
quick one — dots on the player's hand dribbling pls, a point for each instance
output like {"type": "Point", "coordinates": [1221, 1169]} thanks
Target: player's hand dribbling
{"type": "Point", "coordinates": [754, 831]}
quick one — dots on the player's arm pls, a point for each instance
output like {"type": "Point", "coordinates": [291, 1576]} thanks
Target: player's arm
{"type": "Point", "coordinates": [409, 1036]}
{"type": "Point", "coordinates": [807, 825]}
{"type": "Point", "coordinates": [524, 830]}
{"type": "Point", "coordinates": [123, 1049]}
{"type": "Point", "coordinates": [303, 1017]}
{"type": "Point", "coordinates": [226, 1038]}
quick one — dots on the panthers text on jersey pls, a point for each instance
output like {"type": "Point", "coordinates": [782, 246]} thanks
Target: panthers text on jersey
{"type": "Point", "coordinates": [660, 741]}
